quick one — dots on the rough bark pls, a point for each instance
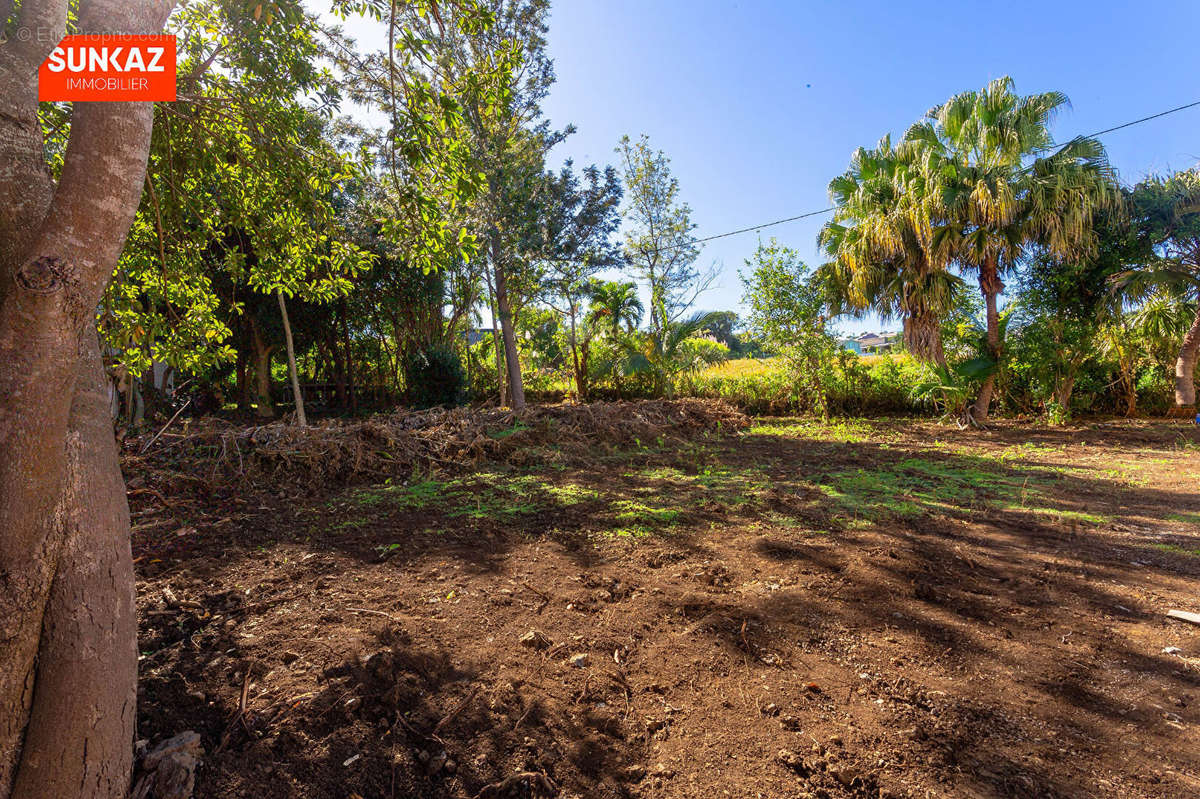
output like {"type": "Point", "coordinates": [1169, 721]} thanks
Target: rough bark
{"type": "Point", "coordinates": [516, 389]}
{"type": "Point", "coordinates": [244, 399]}
{"type": "Point", "coordinates": [1185, 366]}
{"type": "Point", "coordinates": [923, 338]}
{"type": "Point", "coordinates": [578, 358]}
{"type": "Point", "coordinates": [301, 419]}
{"type": "Point", "coordinates": [262, 373]}
{"type": "Point", "coordinates": [1063, 391]}
{"type": "Point", "coordinates": [1129, 388]}
{"type": "Point", "coordinates": [66, 582]}
{"type": "Point", "coordinates": [78, 739]}
{"type": "Point", "coordinates": [169, 772]}
{"type": "Point", "coordinates": [60, 503]}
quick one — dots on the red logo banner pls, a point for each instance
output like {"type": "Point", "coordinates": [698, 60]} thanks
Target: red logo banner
{"type": "Point", "coordinates": [109, 68]}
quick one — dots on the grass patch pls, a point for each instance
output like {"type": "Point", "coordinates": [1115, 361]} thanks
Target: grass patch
{"type": "Point", "coordinates": [846, 431]}
{"type": "Point", "coordinates": [1178, 550]}
{"type": "Point", "coordinates": [639, 514]}
{"type": "Point", "coordinates": [917, 486]}
{"type": "Point", "coordinates": [508, 431]}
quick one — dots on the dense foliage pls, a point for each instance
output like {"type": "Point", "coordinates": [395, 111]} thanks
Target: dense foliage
{"type": "Point", "coordinates": [441, 259]}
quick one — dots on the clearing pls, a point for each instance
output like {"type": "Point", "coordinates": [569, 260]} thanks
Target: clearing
{"type": "Point", "coordinates": [885, 608]}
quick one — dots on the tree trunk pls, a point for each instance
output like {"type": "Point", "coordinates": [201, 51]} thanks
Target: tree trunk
{"type": "Point", "coordinates": [348, 359]}
{"type": "Point", "coordinates": [990, 286]}
{"type": "Point", "coordinates": [78, 739]}
{"type": "Point", "coordinates": [923, 338]}
{"type": "Point", "coordinates": [616, 335]}
{"type": "Point", "coordinates": [1128, 382]}
{"type": "Point", "coordinates": [243, 383]}
{"type": "Point", "coordinates": [511, 358]}
{"type": "Point", "coordinates": [67, 648]}
{"type": "Point", "coordinates": [1062, 394]}
{"type": "Point", "coordinates": [501, 379]}
{"type": "Point", "coordinates": [262, 373]}
{"type": "Point", "coordinates": [291, 355]}
{"type": "Point", "coordinates": [581, 388]}
{"type": "Point", "coordinates": [1185, 366]}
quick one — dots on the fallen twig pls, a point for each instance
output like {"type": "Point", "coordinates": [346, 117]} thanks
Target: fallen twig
{"type": "Point", "coordinates": [533, 779]}
{"type": "Point", "coordinates": [170, 422]}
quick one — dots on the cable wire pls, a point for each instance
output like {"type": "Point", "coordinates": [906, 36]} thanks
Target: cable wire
{"type": "Point", "coordinates": [831, 209]}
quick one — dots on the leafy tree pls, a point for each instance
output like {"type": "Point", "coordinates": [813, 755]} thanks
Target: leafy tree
{"type": "Point", "coordinates": [1063, 305]}
{"type": "Point", "coordinates": [616, 309]}
{"type": "Point", "coordinates": [997, 186]}
{"type": "Point", "coordinates": [69, 193]}
{"type": "Point", "coordinates": [1166, 211]}
{"type": "Point", "coordinates": [508, 140]}
{"type": "Point", "coordinates": [788, 308]}
{"type": "Point", "coordinates": [722, 326]}
{"type": "Point", "coordinates": [578, 221]}
{"type": "Point", "coordinates": [434, 377]}
{"type": "Point", "coordinates": [1120, 343]}
{"type": "Point", "coordinates": [660, 250]}
{"type": "Point", "coordinates": [68, 663]}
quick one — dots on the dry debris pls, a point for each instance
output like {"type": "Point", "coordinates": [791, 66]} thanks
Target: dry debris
{"type": "Point", "coordinates": [284, 459]}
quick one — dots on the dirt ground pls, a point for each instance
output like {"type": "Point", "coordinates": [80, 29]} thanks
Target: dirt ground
{"type": "Point", "coordinates": [887, 608]}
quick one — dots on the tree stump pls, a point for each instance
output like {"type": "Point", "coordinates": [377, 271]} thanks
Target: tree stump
{"type": "Point", "coordinates": [169, 771]}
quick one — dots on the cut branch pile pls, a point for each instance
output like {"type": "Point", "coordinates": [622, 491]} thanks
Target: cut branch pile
{"type": "Point", "coordinates": [284, 459]}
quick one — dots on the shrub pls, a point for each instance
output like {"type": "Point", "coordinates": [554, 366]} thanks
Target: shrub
{"type": "Point", "coordinates": [434, 377]}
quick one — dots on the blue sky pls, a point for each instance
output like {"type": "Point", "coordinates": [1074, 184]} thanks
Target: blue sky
{"type": "Point", "coordinates": [759, 103]}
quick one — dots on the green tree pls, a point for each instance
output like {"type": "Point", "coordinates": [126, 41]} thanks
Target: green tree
{"type": "Point", "coordinates": [1063, 305]}
{"type": "Point", "coordinates": [879, 241]}
{"type": "Point", "coordinates": [68, 664]}
{"type": "Point", "coordinates": [578, 221]}
{"type": "Point", "coordinates": [789, 309]}
{"type": "Point", "coordinates": [508, 140]}
{"type": "Point", "coordinates": [1166, 212]}
{"type": "Point", "coordinates": [998, 186]}
{"type": "Point", "coordinates": [617, 309]}
{"type": "Point", "coordinates": [661, 250]}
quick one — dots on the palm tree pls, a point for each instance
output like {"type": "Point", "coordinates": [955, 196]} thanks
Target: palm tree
{"type": "Point", "coordinates": [614, 305]}
{"type": "Point", "coordinates": [878, 241]}
{"type": "Point", "coordinates": [1165, 316]}
{"type": "Point", "coordinates": [998, 186]}
{"type": "Point", "coordinates": [668, 353]}
{"type": "Point", "coordinates": [1167, 213]}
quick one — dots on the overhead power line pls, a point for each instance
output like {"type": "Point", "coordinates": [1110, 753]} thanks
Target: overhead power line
{"type": "Point", "coordinates": [1145, 119]}
{"type": "Point", "coordinates": [753, 228]}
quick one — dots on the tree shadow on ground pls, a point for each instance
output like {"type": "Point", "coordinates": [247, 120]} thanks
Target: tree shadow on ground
{"type": "Point", "coordinates": [987, 604]}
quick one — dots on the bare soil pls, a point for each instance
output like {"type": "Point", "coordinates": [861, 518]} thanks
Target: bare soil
{"type": "Point", "coordinates": [887, 608]}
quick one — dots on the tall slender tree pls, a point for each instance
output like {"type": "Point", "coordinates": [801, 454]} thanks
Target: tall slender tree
{"type": "Point", "coordinates": [508, 141]}
{"type": "Point", "coordinates": [578, 221]}
{"type": "Point", "coordinates": [660, 248]}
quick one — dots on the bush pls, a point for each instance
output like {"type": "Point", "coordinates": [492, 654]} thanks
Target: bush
{"type": "Point", "coordinates": [434, 377]}
{"type": "Point", "coordinates": [847, 384]}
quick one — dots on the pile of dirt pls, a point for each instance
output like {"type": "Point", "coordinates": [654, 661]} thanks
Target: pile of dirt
{"type": "Point", "coordinates": [335, 453]}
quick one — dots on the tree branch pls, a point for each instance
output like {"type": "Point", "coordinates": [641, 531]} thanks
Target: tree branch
{"type": "Point", "coordinates": [40, 27]}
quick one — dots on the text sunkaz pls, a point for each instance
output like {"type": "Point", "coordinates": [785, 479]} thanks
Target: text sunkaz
{"type": "Point", "coordinates": [106, 59]}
